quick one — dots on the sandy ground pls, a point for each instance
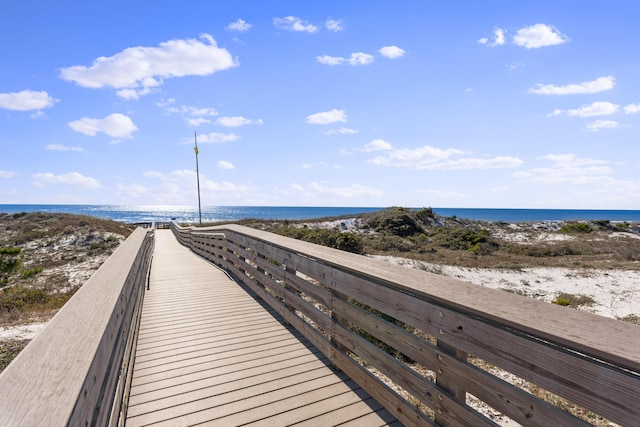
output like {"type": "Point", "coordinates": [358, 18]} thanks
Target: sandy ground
{"type": "Point", "coordinates": [616, 292]}
{"type": "Point", "coordinates": [25, 332]}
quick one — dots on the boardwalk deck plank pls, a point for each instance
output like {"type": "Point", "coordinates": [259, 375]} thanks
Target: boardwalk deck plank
{"type": "Point", "coordinates": [209, 352]}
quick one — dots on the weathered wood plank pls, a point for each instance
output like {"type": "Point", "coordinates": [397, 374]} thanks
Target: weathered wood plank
{"type": "Point", "coordinates": [232, 357]}
{"type": "Point", "coordinates": [585, 358]}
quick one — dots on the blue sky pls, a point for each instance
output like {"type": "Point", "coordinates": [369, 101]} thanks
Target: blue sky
{"type": "Point", "coordinates": [495, 104]}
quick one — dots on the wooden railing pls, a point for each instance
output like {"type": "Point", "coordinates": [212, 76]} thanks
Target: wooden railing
{"type": "Point", "coordinates": [432, 349]}
{"type": "Point", "coordinates": [76, 372]}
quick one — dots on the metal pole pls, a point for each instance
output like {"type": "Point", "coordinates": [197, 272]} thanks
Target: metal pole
{"type": "Point", "coordinates": [195, 148]}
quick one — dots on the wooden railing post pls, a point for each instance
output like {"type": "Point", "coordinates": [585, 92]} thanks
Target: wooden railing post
{"type": "Point", "coordinates": [447, 382]}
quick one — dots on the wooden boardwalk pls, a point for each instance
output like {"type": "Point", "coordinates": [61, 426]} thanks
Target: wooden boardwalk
{"type": "Point", "coordinates": [210, 353]}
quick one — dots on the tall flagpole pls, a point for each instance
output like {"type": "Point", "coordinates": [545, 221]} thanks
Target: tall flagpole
{"type": "Point", "coordinates": [195, 148]}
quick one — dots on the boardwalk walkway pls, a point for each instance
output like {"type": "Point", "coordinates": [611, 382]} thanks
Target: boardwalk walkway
{"type": "Point", "coordinates": [209, 353]}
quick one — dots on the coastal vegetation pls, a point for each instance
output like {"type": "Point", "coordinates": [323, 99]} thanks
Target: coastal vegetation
{"type": "Point", "coordinates": [424, 236]}
{"type": "Point", "coordinates": [44, 259]}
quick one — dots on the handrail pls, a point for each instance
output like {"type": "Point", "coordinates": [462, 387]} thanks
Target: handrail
{"type": "Point", "coordinates": [75, 371]}
{"type": "Point", "coordinates": [352, 307]}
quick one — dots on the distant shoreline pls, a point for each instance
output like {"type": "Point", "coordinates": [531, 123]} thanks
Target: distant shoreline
{"type": "Point", "coordinates": [187, 214]}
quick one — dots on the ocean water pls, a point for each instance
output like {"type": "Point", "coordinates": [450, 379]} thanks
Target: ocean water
{"type": "Point", "coordinates": [187, 214]}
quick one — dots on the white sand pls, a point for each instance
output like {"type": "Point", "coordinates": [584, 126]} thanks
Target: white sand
{"type": "Point", "coordinates": [24, 332]}
{"type": "Point", "coordinates": [616, 292]}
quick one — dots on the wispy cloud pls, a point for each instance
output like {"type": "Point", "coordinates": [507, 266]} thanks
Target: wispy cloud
{"type": "Point", "coordinates": [334, 25]}
{"type": "Point", "coordinates": [323, 191]}
{"type": "Point", "coordinates": [433, 158]}
{"type": "Point", "coordinates": [60, 147]}
{"type": "Point", "coordinates": [341, 131]}
{"type": "Point", "coordinates": [357, 58]}
{"type": "Point", "coordinates": [602, 124]}
{"type": "Point", "coordinates": [497, 39]}
{"type": "Point", "coordinates": [71, 178]}
{"type": "Point", "coordinates": [115, 125]}
{"type": "Point", "coordinates": [213, 138]}
{"type": "Point", "coordinates": [539, 35]}
{"type": "Point", "coordinates": [378, 145]}
{"type": "Point", "coordinates": [7, 174]}
{"type": "Point", "coordinates": [240, 26]}
{"type": "Point", "coordinates": [327, 117]}
{"type": "Point", "coordinates": [295, 24]}
{"type": "Point", "coordinates": [589, 110]}
{"type": "Point", "coordinates": [567, 168]}
{"type": "Point", "coordinates": [594, 86]}
{"type": "Point", "coordinates": [224, 165]}
{"type": "Point", "coordinates": [137, 71]}
{"type": "Point", "coordinates": [26, 100]}
{"type": "Point", "coordinates": [237, 121]}
{"type": "Point", "coordinates": [632, 108]}
{"type": "Point", "coordinates": [194, 116]}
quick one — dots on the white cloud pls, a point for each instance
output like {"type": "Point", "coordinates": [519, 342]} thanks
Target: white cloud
{"type": "Point", "coordinates": [194, 116]}
{"type": "Point", "coordinates": [60, 147]}
{"type": "Point", "coordinates": [136, 71]}
{"type": "Point", "coordinates": [176, 181]}
{"type": "Point", "coordinates": [327, 117]}
{"type": "Point", "coordinates": [237, 121]}
{"type": "Point", "coordinates": [539, 35]}
{"type": "Point", "coordinates": [7, 174]}
{"type": "Point", "coordinates": [240, 26]}
{"type": "Point", "coordinates": [320, 190]}
{"type": "Point", "coordinates": [418, 158]}
{"type": "Point", "coordinates": [341, 131]}
{"type": "Point", "coordinates": [334, 25]}
{"type": "Point", "coordinates": [357, 58]}
{"type": "Point", "coordinates": [516, 65]}
{"type": "Point", "coordinates": [498, 38]}
{"type": "Point", "coordinates": [594, 86]}
{"type": "Point", "coordinates": [602, 124]}
{"type": "Point", "coordinates": [378, 145]}
{"type": "Point", "coordinates": [589, 110]}
{"type": "Point", "coordinates": [391, 52]}
{"type": "Point", "coordinates": [197, 121]}
{"type": "Point", "coordinates": [223, 164]}
{"type": "Point", "coordinates": [632, 108]}
{"type": "Point", "coordinates": [500, 162]}
{"type": "Point", "coordinates": [434, 158]}
{"type": "Point", "coordinates": [26, 100]}
{"type": "Point", "coordinates": [330, 60]}
{"type": "Point", "coordinates": [71, 178]}
{"type": "Point", "coordinates": [115, 125]}
{"type": "Point", "coordinates": [567, 168]}
{"type": "Point", "coordinates": [214, 138]}
{"type": "Point", "coordinates": [293, 23]}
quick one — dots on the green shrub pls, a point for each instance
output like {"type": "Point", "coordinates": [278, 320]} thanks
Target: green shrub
{"type": "Point", "coordinates": [15, 298]}
{"type": "Point", "coordinates": [622, 226]}
{"type": "Point", "coordinates": [561, 301]}
{"type": "Point", "coordinates": [460, 238]}
{"type": "Point", "coordinates": [576, 227]}
{"type": "Point", "coordinates": [542, 251]}
{"type": "Point", "coordinates": [347, 241]}
{"type": "Point", "coordinates": [574, 300]}
{"type": "Point", "coordinates": [390, 244]}
{"type": "Point", "coordinates": [31, 272]}
{"type": "Point", "coordinates": [10, 262]}
{"type": "Point", "coordinates": [397, 221]}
